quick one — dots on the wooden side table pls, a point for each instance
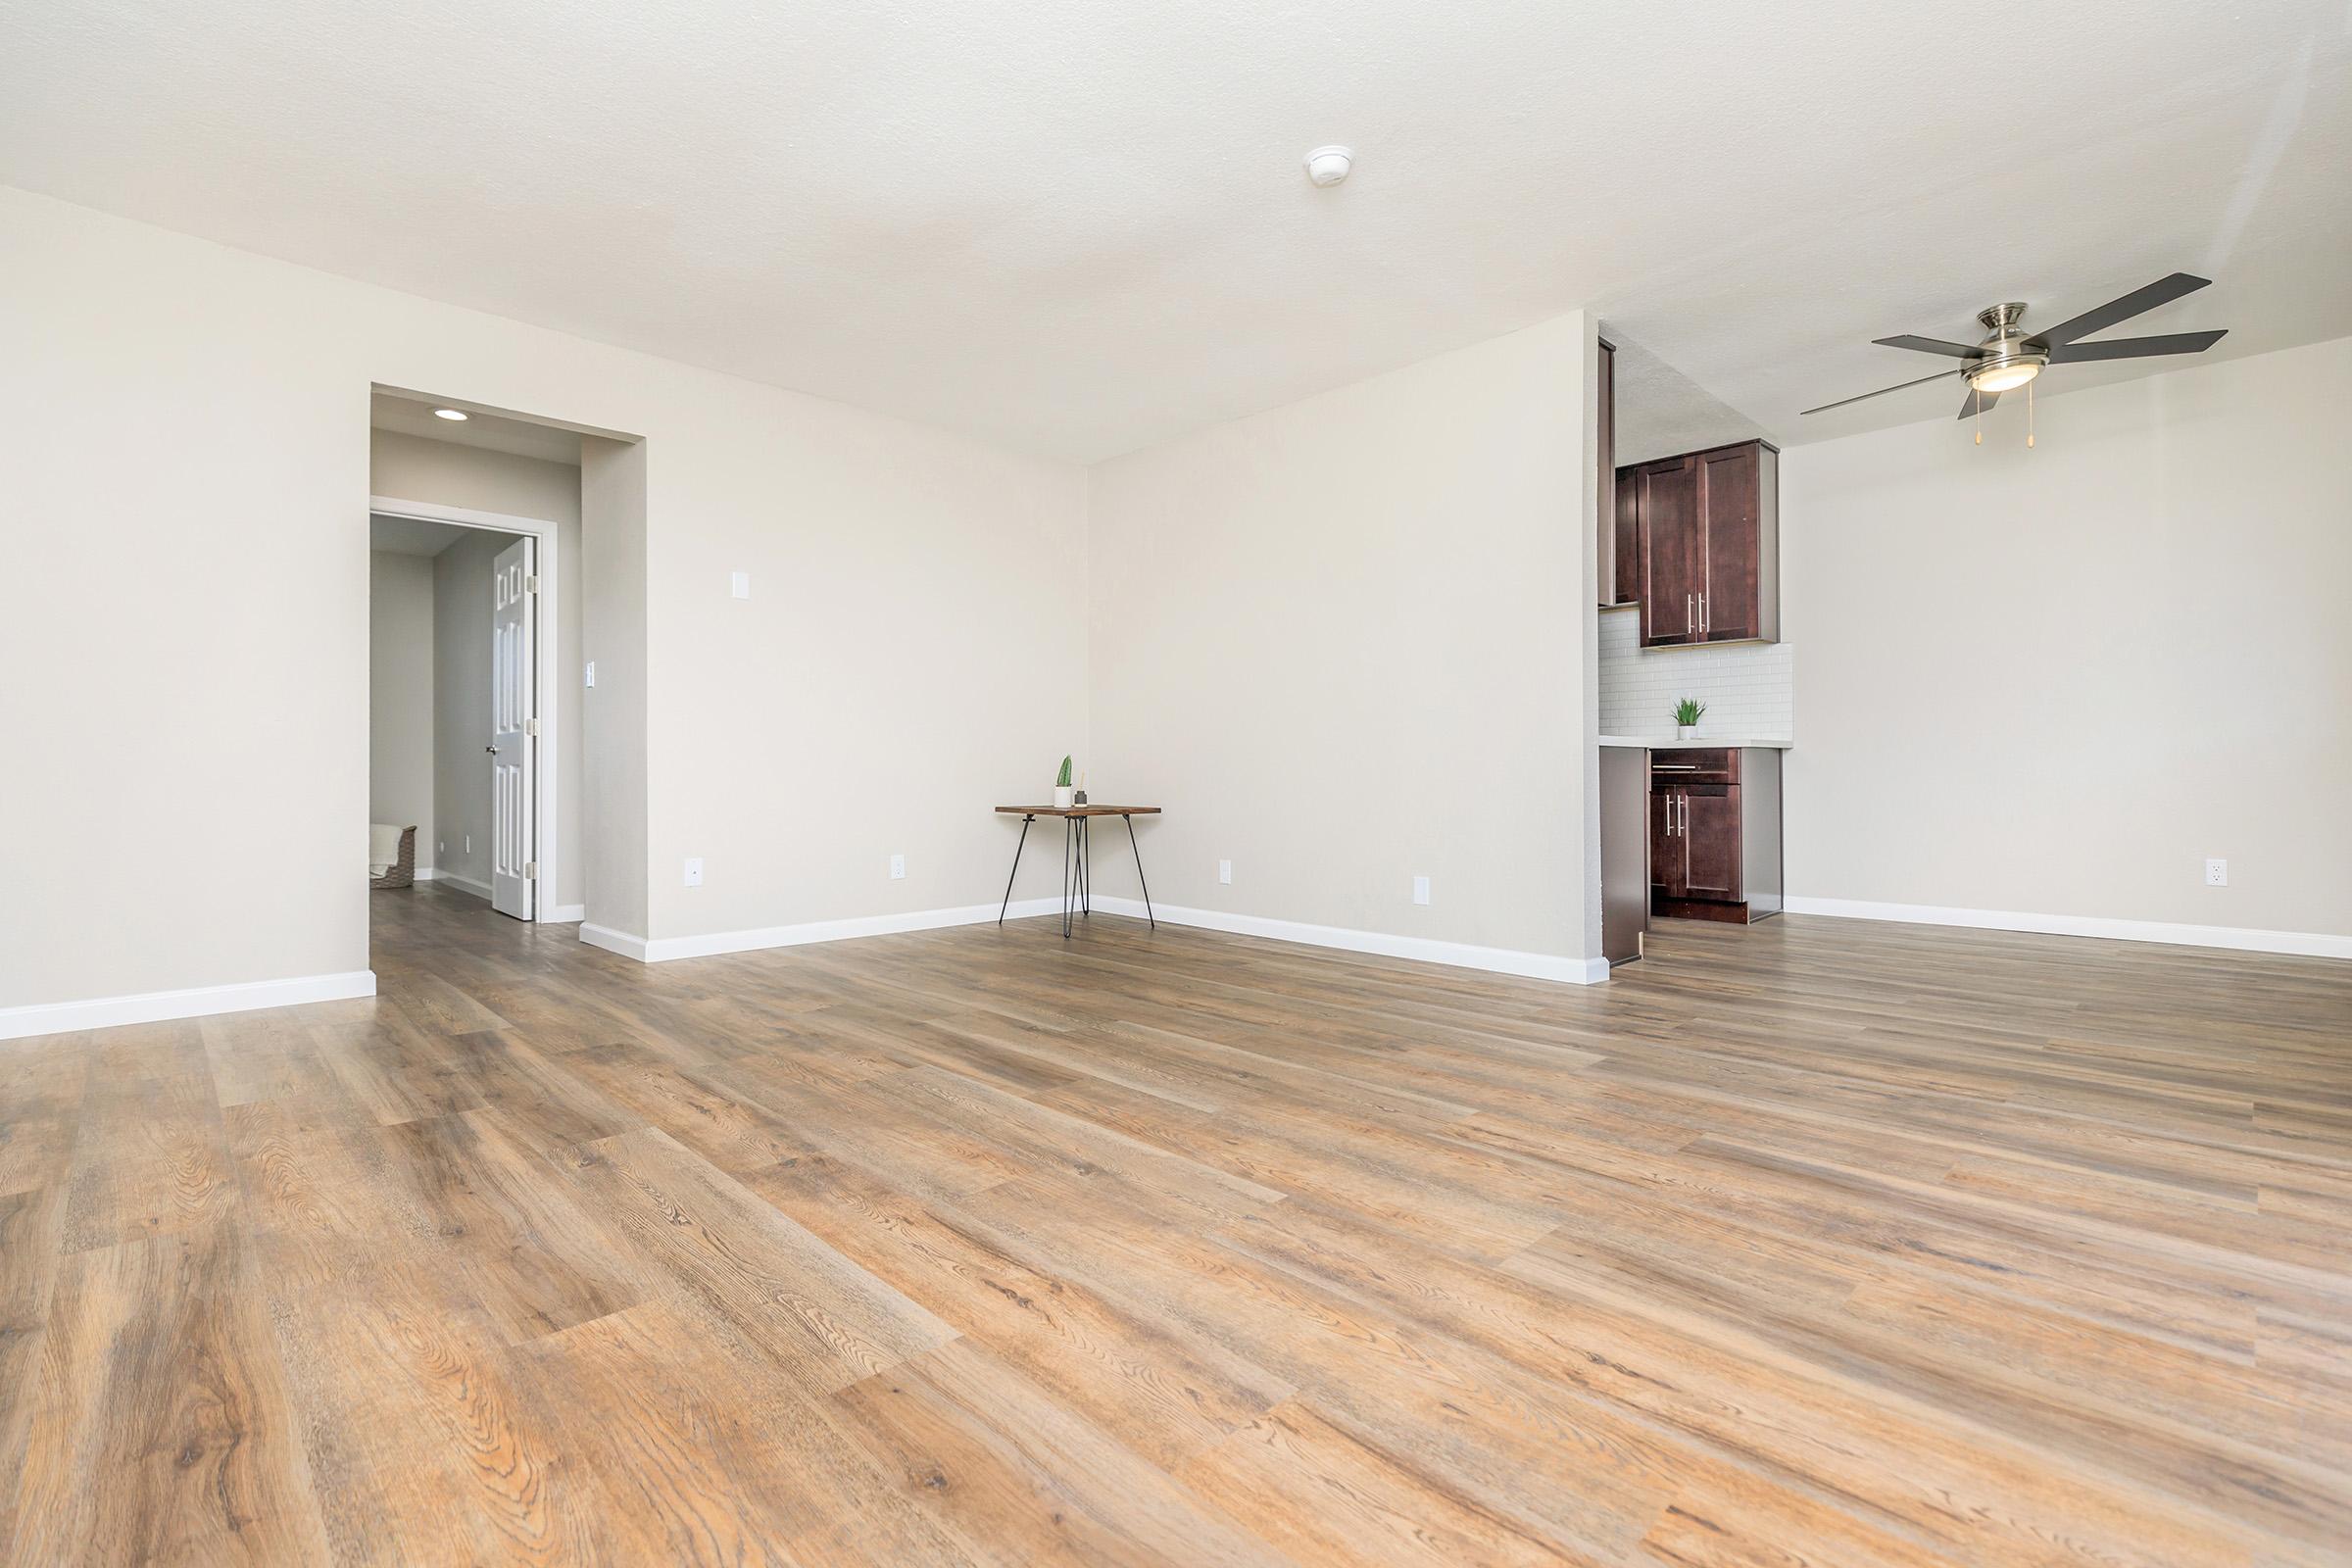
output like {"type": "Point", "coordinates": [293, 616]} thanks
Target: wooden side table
{"type": "Point", "coordinates": [1077, 866]}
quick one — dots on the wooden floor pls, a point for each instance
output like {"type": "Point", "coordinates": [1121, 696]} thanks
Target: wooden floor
{"type": "Point", "coordinates": [1809, 1243]}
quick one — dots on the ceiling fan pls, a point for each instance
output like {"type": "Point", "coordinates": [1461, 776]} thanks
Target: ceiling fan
{"type": "Point", "coordinates": [2008, 359]}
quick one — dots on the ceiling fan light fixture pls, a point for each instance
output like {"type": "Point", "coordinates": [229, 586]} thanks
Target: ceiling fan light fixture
{"type": "Point", "coordinates": [2008, 357]}
{"type": "Point", "coordinates": [2004, 375]}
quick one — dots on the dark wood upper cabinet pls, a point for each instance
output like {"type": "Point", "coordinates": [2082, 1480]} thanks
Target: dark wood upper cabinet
{"type": "Point", "coordinates": [1616, 542]}
{"type": "Point", "coordinates": [1727, 502]}
{"type": "Point", "coordinates": [1626, 532]}
{"type": "Point", "coordinates": [1672, 548]}
{"type": "Point", "coordinates": [1706, 529]}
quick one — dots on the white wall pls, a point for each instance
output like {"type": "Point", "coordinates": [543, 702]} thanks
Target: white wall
{"type": "Point", "coordinates": [917, 644]}
{"type": "Point", "coordinates": [2053, 680]}
{"type": "Point", "coordinates": [400, 695]}
{"type": "Point", "coordinates": [445, 474]}
{"type": "Point", "coordinates": [1346, 643]}
{"type": "Point", "coordinates": [450, 474]}
{"type": "Point", "coordinates": [913, 654]}
{"type": "Point", "coordinates": [613, 813]}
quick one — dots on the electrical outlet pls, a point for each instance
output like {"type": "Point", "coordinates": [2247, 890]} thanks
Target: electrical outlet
{"type": "Point", "coordinates": [591, 672]}
{"type": "Point", "coordinates": [898, 867]}
{"type": "Point", "coordinates": [2217, 874]}
{"type": "Point", "coordinates": [1225, 870]}
{"type": "Point", "coordinates": [693, 871]}
{"type": "Point", "coordinates": [1420, 890]}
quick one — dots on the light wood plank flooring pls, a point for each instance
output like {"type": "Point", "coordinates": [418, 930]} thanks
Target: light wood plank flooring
{"type": "Point", "coordinates": [1812, 1243]}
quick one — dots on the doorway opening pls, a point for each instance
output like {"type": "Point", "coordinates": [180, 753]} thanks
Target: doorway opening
{"type": "Point", "coordinates": [469, 745]}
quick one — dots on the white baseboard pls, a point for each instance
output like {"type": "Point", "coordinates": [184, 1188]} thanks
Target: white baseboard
{"type": "Point", "coordinates": [1427, 949]}
{"type": "Point", "coordinates": [423, 873]}
{"type": "Point", "coordinates": [198, 1001]}
{"type": "Point", "coordinates": [1499, 961]}
{"type": "Point", "coordinates": [560, 914]}
{"type": "Point", "coordinates": [2306, 944]}
{"type": "Point", "coordinates": [661, 949]}
{"type": "Point", "coordinates": [625, 942]}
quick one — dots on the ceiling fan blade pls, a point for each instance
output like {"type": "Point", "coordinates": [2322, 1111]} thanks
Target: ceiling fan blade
{"type": "Point", "coordinates": [1881, 392]}
{"type": "Point", "coordinates": [1927, 345]}
{"type": "Point", "coordinates": [2136, 348]}
{"type": "Point", "coordinates": [1976, 401]}
{"type": "Point", "coordinates": [2140, 301]}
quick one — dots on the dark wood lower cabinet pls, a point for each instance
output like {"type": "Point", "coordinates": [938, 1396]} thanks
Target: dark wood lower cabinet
{"type": "Point", "coordinates": [1715, 833]}
{"type": "Point", "coordinates": [1710, 841]}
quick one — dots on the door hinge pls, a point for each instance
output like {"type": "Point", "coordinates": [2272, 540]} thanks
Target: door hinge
{"type": "Point", "coordinates": [530, 726]}
{"type": "Point", "coordinates": [530, 870]}
{"type": "Point", "coordinates": [530, 584]}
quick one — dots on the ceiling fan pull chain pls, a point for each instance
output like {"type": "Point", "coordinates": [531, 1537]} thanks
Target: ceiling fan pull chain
{"type": "Point", "coordinates": [1980, 397]}
{"type": "Point", "coordinates": [2029, 413]}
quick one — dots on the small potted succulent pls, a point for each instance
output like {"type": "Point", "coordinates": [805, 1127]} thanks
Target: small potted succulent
{"type": "Point", "coordinates": [1064, 793]}
{"type": "Point", "coordinates": [1686, 717]}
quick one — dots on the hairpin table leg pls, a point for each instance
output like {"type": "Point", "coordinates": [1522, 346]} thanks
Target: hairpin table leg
{"type": "Point", "coordinates": [1139, 869]}
{"type": "Point", "coordinates": [1017, 868]}
{"type": "Point", "coordinates": [1069, 851]}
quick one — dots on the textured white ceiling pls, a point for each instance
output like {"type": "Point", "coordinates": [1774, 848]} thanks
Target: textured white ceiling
{"type": "Point", "coordinates": [390, 410]}
{"type": "Point", "coordinates": [1078, 228]}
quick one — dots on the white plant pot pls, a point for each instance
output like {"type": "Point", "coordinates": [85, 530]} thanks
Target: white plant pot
{"type": "Point", "coordinates": [1683, 732]}
{"type": "Point", "coordinates": [1063, 794]}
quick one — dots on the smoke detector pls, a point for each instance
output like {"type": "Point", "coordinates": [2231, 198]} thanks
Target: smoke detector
{"type": "Point", "coordinates": [1328, 166]}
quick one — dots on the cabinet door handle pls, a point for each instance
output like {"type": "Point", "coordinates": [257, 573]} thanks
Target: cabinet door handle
{"type": "Point", "coordinates": [1702, 614]}
{"type": "Point", "coordinates": [1689, 615]}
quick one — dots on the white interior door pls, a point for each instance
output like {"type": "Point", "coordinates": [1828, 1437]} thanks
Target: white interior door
{"type": "Point", "coordinates": [514, 728]}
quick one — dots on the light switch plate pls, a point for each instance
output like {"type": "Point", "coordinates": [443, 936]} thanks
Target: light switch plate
{"type": "Point", "coordinates": [1420, 890]}
{"type": "Point", "coordinates": [694, 873]}
{"type": "Point", "coordinates": [591, 679]}
{"type": "Point", "coordinates": [1225, 870]}
{"type": "Point", "coordinates": [741, 582]}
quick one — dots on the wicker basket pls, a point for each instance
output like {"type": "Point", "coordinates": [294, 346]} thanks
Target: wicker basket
{"type": "Point", "coordinates": [401, 873]}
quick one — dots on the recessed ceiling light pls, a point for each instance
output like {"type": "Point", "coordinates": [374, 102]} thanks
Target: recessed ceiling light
{"type": "Point", "coordinates": [449, 414]}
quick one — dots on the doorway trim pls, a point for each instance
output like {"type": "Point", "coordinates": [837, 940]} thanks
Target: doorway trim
{"type": "Point", "coordinates": [548, 851]}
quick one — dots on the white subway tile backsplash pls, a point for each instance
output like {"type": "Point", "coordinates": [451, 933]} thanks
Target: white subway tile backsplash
{"type": "Point", "coordinates": [1748, 687]}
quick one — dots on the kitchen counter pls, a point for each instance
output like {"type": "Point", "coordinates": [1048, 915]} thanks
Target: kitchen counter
{"type": "Point", "coordinates": [1720, 742]}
